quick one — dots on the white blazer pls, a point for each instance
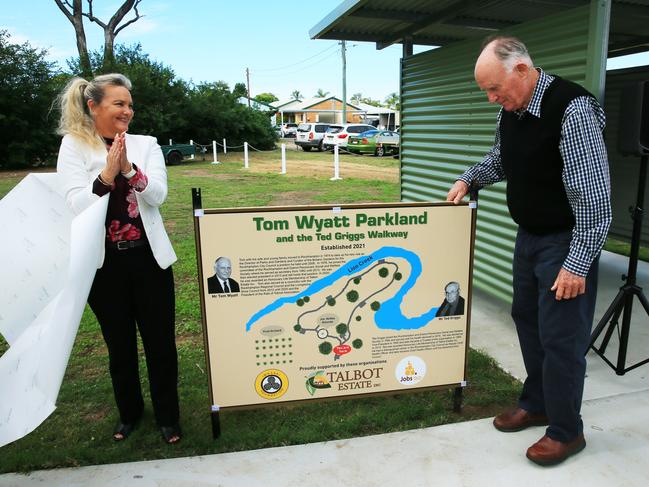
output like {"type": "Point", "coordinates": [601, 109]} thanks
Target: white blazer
{"type": "Point", "coordinates": [79, 164]}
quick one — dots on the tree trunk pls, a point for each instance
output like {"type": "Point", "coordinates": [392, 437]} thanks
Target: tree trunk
{"type": "Point", "coordinates": [111, 29]}
{"type": "Point", "coordinates": [84, 58]}
{"type": "Point", "coordinates": [76, 19]}
{"type": "Point", "coordinates": [109, 54]}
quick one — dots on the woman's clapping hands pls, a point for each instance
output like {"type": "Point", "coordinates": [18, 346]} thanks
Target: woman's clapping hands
{"type": "Point", "coordinates": [116, 160]}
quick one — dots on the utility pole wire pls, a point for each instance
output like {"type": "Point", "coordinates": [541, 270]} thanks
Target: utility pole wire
{"type": "Point", "coordinates": [299, 70]}
{"type": "Point", "coordinates": [299, 62]}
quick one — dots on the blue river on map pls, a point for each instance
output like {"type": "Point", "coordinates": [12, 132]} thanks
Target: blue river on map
{"type": "Point", "coordinates": [389, 315]}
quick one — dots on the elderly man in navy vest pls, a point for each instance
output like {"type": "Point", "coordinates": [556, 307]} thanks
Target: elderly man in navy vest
{"type": "Point", "coordinates": [550, 150]}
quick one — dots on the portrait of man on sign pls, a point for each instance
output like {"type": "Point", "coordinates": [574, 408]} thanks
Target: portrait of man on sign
{"type": "Point", "coordinates": [453, 304]}
{"type": "Point", "coordinates": [221, 282]}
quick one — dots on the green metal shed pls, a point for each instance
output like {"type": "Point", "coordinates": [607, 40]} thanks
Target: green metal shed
{"type": "Point", "coordinates": [446, 123]}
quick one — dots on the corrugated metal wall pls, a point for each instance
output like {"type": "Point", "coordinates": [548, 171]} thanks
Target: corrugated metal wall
{"type": "Point", "coordinates": [624, 169]}
{"type": "Point", "coordinates": [447, 125]}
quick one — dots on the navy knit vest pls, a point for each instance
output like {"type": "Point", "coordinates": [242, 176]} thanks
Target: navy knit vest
{"type": "Point", "coordinates": [529, 150]}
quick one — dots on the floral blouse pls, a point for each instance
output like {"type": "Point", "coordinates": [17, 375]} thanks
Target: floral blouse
{"type": "Point", "coordinates": [123, 221]}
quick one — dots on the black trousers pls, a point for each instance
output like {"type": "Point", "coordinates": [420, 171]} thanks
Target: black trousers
{"type": "Point", "coordinates": [131, 290]}
{"type": "Point", "coordinates": [554, 335]}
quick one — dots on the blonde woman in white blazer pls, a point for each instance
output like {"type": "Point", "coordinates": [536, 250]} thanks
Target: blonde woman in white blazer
{"type": "Point", "coordinates": [134, 288]}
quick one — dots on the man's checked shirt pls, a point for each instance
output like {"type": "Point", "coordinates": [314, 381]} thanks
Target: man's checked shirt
{"type": "Point", "coordinates": [585, 173]}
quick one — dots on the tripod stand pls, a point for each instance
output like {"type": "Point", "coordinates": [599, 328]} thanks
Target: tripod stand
{"type": "Point", "coordinates": [623, 302]}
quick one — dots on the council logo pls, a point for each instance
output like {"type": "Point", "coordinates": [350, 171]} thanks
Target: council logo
{"type": "Point", "coordinates": [410, 370]}
{"type": "Point", "coordinates": [271, 384]}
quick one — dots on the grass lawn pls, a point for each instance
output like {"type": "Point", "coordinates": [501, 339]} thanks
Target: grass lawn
{"type": "Point", "coordinates": [79, 431]}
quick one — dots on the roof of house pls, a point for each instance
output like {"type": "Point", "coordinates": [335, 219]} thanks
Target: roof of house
{"type": "Point", "coordinates": [308, 103]}
{"type": "Point", "coordinates": [282, 103]}
{"type": "Point", "coordinates": [256, 104]}
{"type": "Point", "coordinates": [372, 110]}
{"type": "Point", "coordinates": [293, 105]}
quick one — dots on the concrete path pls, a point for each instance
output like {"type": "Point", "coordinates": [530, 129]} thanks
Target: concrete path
{"type": "Point", "coordinates": [615, 411]}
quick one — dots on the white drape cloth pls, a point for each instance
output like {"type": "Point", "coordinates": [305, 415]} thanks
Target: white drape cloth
{"type": "Point", "coordinates": [48, 260]}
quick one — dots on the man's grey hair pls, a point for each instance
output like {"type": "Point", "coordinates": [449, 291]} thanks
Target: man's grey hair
{"type": "Point", "coordinates": [509, 50]}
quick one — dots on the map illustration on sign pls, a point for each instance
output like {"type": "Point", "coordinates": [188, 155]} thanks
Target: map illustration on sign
{"type": "Point", "coordinates": [334, 306]}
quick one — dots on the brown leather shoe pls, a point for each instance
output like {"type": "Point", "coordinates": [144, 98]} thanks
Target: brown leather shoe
{"type": "Point", "coordinates": [547, 451]}
{"type": "Point", "coordinates": [518, 420]}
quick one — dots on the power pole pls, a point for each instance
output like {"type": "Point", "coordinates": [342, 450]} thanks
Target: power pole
{"type": "Point", "coordinates": [344, 120]}
{"type": "Point", "coordinates": [248, 83]}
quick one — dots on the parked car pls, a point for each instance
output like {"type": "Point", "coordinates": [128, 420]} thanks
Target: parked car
{"type": "Point", "coordinates": [338, 134]}
{"type": "Point", "coordinates": [377, 142]}
{"type": "Point", "coordinates": [175, 153]}
{"type": "Point", "coordinates": [289, 130]}
{"type": "Point", "coordinates": [310, 135]}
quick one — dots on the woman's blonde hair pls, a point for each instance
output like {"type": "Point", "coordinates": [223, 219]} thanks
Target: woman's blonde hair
{"type": "Point", "coordinates": [76, 118]}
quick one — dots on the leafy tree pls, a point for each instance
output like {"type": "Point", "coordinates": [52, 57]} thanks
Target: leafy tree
{"type": "Point", "coordinates": [358, 343]}
{"type": "Point", "coordinates": [215, 113]}
{"type": "Point", "coordinates": [266, 97]}
{"type": "Point", "coordinates": [210, 108]}
{"type": "Point", "coordinates": [341, 329]}
{"type": "Point", "coordinates": [28, 84]}
{"type": "Point", "coordinates": [297, 95]}
{"type": "Point", "coordinates": [321, 93]}
{"type": "Point", "coordinates": [240, 90]}
{"type": "Point", "coordinates": [356, 98]}
{"type": "Point", "coordinates": [393, 101]}
{"type": "Point", "coordinates": [370, 101]}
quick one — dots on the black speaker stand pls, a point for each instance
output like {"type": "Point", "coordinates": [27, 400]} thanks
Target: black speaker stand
{"type": "Point", "coordinates": [623, 302]}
